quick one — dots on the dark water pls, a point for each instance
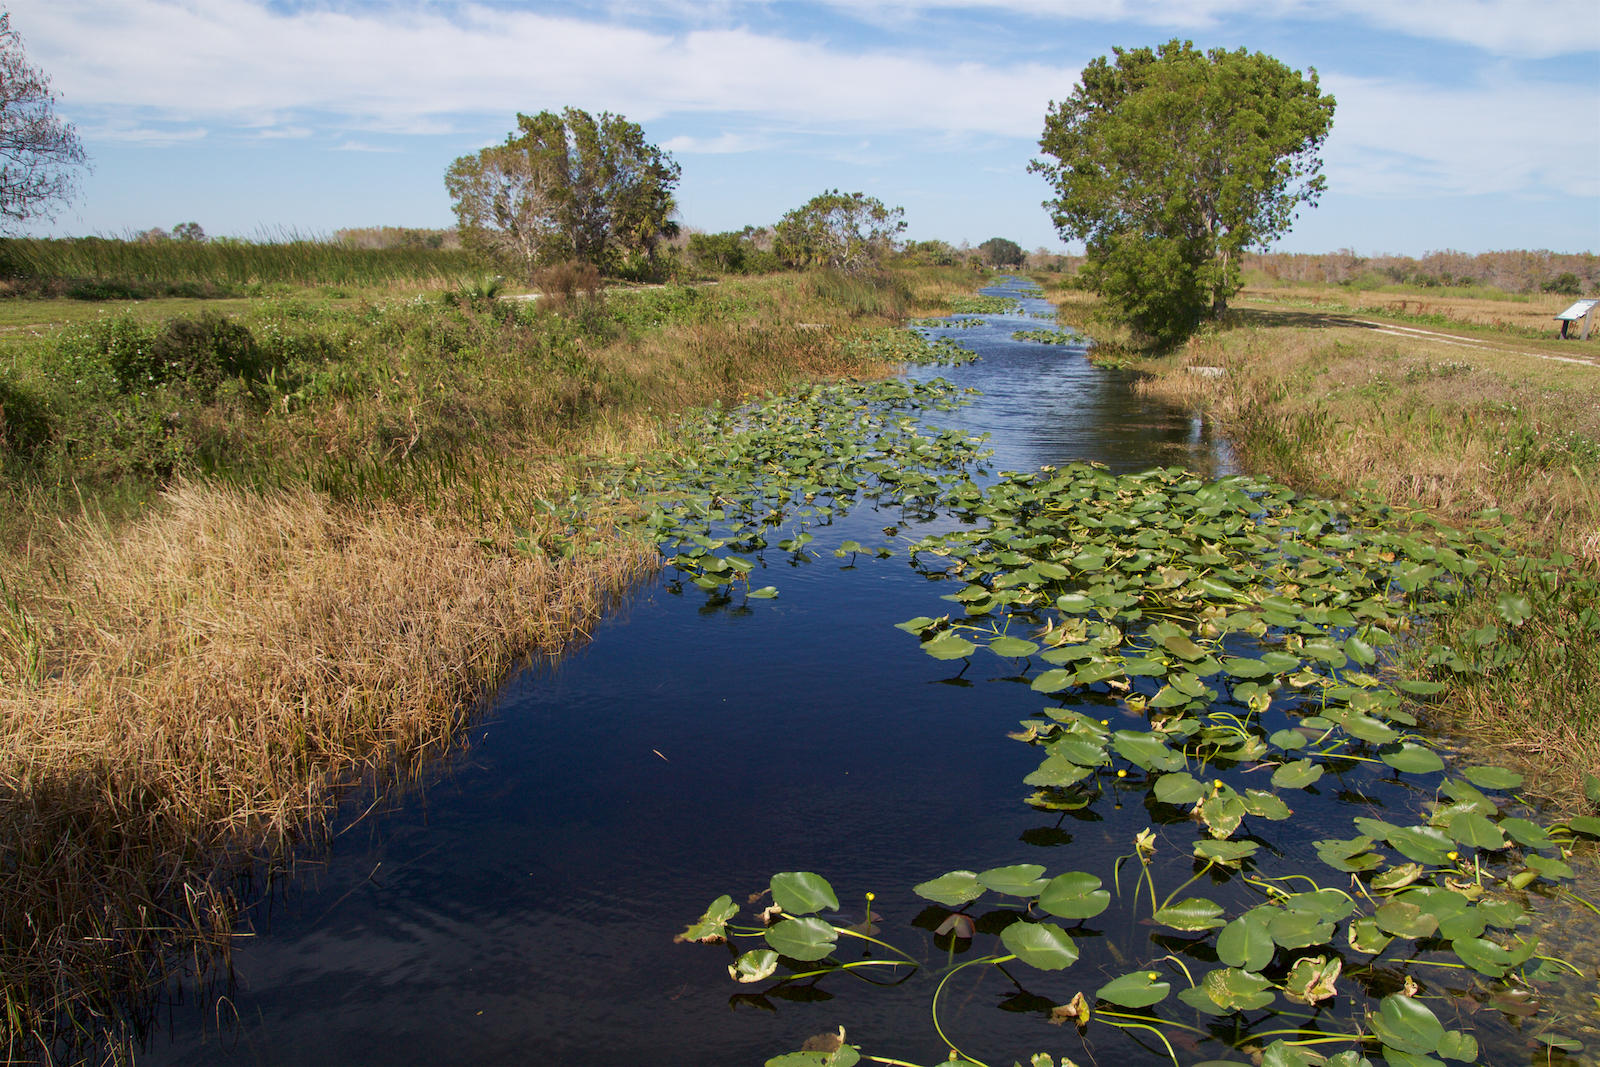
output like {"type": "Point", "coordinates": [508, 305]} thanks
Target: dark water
{"type": "Point", "coordinates": [520, 907]}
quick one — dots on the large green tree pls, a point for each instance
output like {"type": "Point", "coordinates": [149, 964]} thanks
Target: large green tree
{"type": "Point", "coordinates": [850, 232]}
{"type": "Point", "coordinates": [1170, 163]}
{"type": "Point", "coordinates": [1002, 252]}
{"type": "Point", "coordinates": [568, 186]}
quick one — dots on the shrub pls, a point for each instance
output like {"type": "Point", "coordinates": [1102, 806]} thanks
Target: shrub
{"type": "Point", "coordinates": [24, 423]}
{"type": "Point", "coordinates": [559, 283]}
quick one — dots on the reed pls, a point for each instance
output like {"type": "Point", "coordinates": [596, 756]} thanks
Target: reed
{"type": "Point", "coordinates": [100, 268]}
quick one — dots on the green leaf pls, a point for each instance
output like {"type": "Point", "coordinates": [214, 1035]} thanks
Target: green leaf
{"type": "Point", "coordinates": [949, 645]}
{"type": "Point", "coordinates": [801, 893]}
{"type": "Point", "coordinates": [1296, 775]}
{"type": "Point", "coordinates": [1293, 930]}
{"type": "Point", "coordinates": [1227, 853]}
{"type": "Point", "coordinates": [953, 890]}
{"type": "Point", "coordinates": [1074, 895]}
{"type": "Point", "coordinates": [1366, 937]}
{"type": "Point", "coordinates": [1052, 681]}
{"type": "Point", "coordinates": [1057, 772]}
{"type": "Point", "coordinates": [1179, 645]}
{"type": "Point", "coordinates": [757, 965]}
{"type": "Point", "coordinates": [1493, 777]}
{"type": "Point", "coordinates": [1406, 1024]}
{"type": "Point", "coordinates": [712, 926]}
{"type": "Point", "coordinates": [844, 1056]}
{"type": "Point", "coordinates": [1042, 945]}
{"type": "Point", "coordinates": [1245, 942]}
{"type": "Point", "coordinates": [1586, 824]}
{"type": "Point", "coordinates": [1410, 758]}
{"type": "Point", "coordinates": [1456, 1045]}
{"type": "Point", "coordinates": [1020, 880]}
{"type": "Point", "coordinates": [1313, 979]}
{"type": "Point", "coordinates": [766, 592]}
{"type": "Point", "coordinates": [1236, 990]}
{"type": "Point", "coordinates": [1422, 844]}
{"type": "Point", "coordinates": [1147, 751]}
{"type": "Point", "coordinates": [1137, 990]}
{"type": "Point", "coordinates": [1514, 609]}
{"type": "Point", "coordinates": [1193, 913]}
{"type": "Point", "coordinates": [1473, 829]}
{"type": "Point", "coordinates": [1178, 787]}
{"type": "Point", "coordinates": [1526, 833]}
{"type": "Point", "coordinates": [804, 939]}
{"type": "Point", "coordinates": [1484, 956]}
{"type": "Point", "coordinates": [1405, 919]}
{"type": "Point", "coordinates": [1360, 651]}
{"type": "Point", "coordinates": [1012, 647]}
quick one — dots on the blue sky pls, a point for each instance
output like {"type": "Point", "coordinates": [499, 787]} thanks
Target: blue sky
{"type": "Point", "coordinates": [1464, 124]}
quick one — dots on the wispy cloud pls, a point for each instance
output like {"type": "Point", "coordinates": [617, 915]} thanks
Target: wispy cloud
{"type": "Point", "coordinates": [1518, 28]}
{"type": "Point", "coordinates": [362, 146]}
{"type": "Point", "coordinates": [149, 136]}
{"type": "Point", "coordinates": [1399, 138]}
{"type": "Point", "coordinates": [723, 144]}
{"type": "Point", "coordinates": [405, 69]}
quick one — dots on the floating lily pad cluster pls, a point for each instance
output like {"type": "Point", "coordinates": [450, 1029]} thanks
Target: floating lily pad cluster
{"type": "Point", "coordinates": [978, 304]}
{"type": "Point", "coordinates": [759, 477]}
{"type": "Point", "coordinates": [912, 348]}
{"type": "Point", "coordinates": [964, 323]}
{"type": "Point", "coordinates": [1218, 650]}
{"type": "Point", "coordinates": [1048, 337]}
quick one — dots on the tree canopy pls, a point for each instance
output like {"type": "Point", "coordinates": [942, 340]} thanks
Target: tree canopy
{"type": "Point", "coordinates": [1170, 163]}
{"type": "Point", "coordinates": [845, 231]}
{"type": "Point", "coordinates": [39, 153]}
{"type": "Point", "coordinates": [566, 187]}
{"type": "Point", "coordinates": [1002, 252]}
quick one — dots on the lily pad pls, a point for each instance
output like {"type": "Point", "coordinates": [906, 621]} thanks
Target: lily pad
{"type": "Point", "coordinates": [807, 939]}
{"type": "Point", "coordinates": [953, 890]}
{"type": "Point", "coordinates": [1139, 989]}
{"type": "Point", "coordinates": [1042, 945]}
{"type": "Point", "coordinates": [801, 893]}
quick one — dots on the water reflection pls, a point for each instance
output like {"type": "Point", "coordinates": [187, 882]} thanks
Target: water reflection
{"type": "Point", "coordinates": [522, 905]}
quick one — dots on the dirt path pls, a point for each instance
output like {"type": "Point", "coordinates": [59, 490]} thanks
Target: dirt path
{"type": "Point", "coordinates": [1466, 342]}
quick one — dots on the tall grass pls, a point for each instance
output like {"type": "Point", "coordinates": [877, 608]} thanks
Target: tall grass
{"type": "Point", "coordinates": [104, 268]}
{"type": "Point", "coordinates": [335, 548]}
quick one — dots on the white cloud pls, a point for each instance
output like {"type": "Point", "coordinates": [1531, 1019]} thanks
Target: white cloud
{"type": "Point", "coordinates": [1395, 138]}
{"type": "Point", "coordinates": [1520, 28]}
{"type": "Point", "coordinates": [723, 144]}
{"type": "Point", "coordinates": [362, 146]}
{"type": "Point", "coordinates": [408, 70]}
{"type": "Point", "coordinates": [148, 136]}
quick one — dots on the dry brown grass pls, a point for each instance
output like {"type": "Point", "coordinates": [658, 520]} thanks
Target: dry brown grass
{"type": "Point", "coordinates": [187, 692]}
{"type": "Point", "coordinates": [1455, 430]}
{"type": "Point", "coordinates": [226, 661]}
{"type": "Point", "coordinates": [1533, 313]}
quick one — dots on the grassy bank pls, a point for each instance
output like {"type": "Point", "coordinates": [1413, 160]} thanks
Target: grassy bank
{"type": "Point", "coordinates": [246, 560]}
{"type": "Point", "coordinates": [1469, 427]}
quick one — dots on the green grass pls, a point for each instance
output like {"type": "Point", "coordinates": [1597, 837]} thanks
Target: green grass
{"type": "Point", "coordinates": [98, 268]}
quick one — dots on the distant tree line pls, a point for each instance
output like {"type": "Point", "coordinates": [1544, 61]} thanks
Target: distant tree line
{"type": "Point", "coordinates": [1511, 271]}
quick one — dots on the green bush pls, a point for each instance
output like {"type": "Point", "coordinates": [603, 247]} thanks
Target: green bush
{"type": "Point", "coordinates": [24, 421]}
